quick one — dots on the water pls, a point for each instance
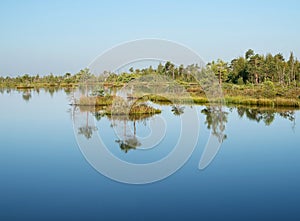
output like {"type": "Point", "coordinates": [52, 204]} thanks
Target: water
{"type": "Point", "coordinates": [45, 176]}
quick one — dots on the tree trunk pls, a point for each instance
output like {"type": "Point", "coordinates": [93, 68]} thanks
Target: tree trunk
{"type": "Point", "coordinates": [134, 128]}
{"type": "Point", "coordinates": [256, 78]}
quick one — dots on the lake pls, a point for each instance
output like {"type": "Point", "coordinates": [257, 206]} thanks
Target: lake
{"type": "Point", "coordinates": [49, 169]}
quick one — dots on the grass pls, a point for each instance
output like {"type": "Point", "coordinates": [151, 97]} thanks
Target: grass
{"type": "Point", "coordinates": [95, 101]}
{"type": "Point", "coordinates": [244, 100]}
{"type": "Point", "coordinates": [259, 95]}
{"type": "Point", "coordinates": [272, 102]}
{"type": "Point", "coordinates": [194, 99]}
{"type": "Point", "coordinates": [143, 109]}
{"type": "Point", "coordinates": [136, 109]}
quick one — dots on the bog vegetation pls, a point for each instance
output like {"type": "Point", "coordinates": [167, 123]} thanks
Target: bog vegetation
{"type": "Point", "coordinates": [252, 79]}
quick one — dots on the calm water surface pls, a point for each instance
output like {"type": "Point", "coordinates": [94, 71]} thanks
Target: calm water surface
{"type": "Point", "coordinates": [44, 175]}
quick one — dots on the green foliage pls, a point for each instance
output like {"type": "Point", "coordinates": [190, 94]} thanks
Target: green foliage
{"type": "Point", "coordinates": [216, 120]}
{"type": "Point", "coordinates": [254, 79]}
{"type": "Point", "coordinates": [98, 91]}
{"type": "Point", "coordinates": [249, 54]}
{"type": "Point", "coordinates": [253, 68]}
{"type": "Point", "coordinates": [240, 81]}
{"type": "Point", "coordinates": [269, 89]}
{"type": "Point", "coordinates": [220, 69]}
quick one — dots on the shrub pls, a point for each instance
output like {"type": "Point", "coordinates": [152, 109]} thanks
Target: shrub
{"type": "Point", "coordinates": [269, 89]}
{"type": "Point", "coordinates": [240, 81]}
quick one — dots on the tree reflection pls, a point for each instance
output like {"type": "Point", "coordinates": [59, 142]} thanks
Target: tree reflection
{"type": "Point", "coordinates": [128, 144]}
{"type": "Point", "coordinates": [177, 109]}
{"type": "Point", "coordinates": [128, 141]}
{"type": "Point", "coordinates": [266, 115]}
{"type": "Point", "coordinates": [87, 130]}
{"type": "Point", "coordinates": [121, 123]}
{"type": "Point", "coordinates": [290, 115]}
{"type": "Point", "coordinates": [216, 120]}
{"type": "Point", "coordinates": [257, 115]}
{"type": "Point", "coordinates": [26, 95]}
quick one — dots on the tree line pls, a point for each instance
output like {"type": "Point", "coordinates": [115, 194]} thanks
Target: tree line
{"type": "Point", "coordinates": [254, 68]}
{"type": "Point", "coordinates": [251, 68]}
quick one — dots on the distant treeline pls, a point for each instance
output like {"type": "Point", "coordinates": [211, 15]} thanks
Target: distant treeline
{"type": "Point", "coordinates": [250, 69]}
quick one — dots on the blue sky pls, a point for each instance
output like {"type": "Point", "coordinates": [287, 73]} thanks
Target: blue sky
{"type": "Point", "coordinates": [39, 37]}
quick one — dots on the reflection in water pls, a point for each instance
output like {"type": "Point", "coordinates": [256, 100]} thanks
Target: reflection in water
{"type": "Point", "coordinates": [68, 90]}
{"type": "Point", "coordinates": [127, 140]}
{"type": "Point", "coordinates": [177, 109]}
{"type": "Point", "coordinates": [216, 120]}
{"type": "Point", "coordinates": [267, 168]}
{"type": "Point", "coordinates": [26, 95]}
{"type": "Point", "coordinates": [290, 115]}
{"type": "Point", "coordinates": [52, 90]}
{"type": "Point", "coordinates": [86, 130]}
{"type": "Point", "coordinates": [128, 144]}
{"type": "Point", "coordinates": [267, 115]}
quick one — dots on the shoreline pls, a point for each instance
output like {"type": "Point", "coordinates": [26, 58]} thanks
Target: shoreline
{"type": "Point", "coordinates": [232, 96]}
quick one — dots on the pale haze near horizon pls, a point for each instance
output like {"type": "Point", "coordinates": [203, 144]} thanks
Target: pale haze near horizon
{"type": "Point", "coordinates": [42, 37]}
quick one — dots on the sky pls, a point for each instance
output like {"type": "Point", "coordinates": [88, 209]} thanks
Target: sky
{"type": "Point", "coordinates": [42, 37]}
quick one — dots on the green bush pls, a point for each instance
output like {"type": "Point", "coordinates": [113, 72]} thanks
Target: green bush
{"type": "Point", "coordinates": [240, 81]}
{"type": "Point", "coordinates": [269, 89]}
